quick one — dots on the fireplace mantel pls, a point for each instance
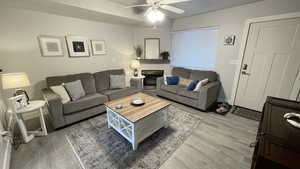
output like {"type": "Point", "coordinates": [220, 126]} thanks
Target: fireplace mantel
{"type": "Point", "coordinates": [151, 76]}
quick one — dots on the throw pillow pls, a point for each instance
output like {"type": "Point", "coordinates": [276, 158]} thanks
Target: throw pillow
{"type": "Point", "coordinates": [165, 80]}
{"type": "Point", "coordinates": [75, 89]}
{"type": "Point", "coordinates": [172, 80]}
{"type": "Point", "coordinates": [201, 84]}
{"type": "Point", "coordinates": [184, 81]}
{"type": "Point", "coordinates": [61, 91]}
{"type": "Point", "coordinates": [117, 81]}
{"type": "Point", "coordinates": [192, 85]}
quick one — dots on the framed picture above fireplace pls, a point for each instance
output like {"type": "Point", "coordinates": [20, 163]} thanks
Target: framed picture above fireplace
{"type": "Point", "coordinates": [152, 48]}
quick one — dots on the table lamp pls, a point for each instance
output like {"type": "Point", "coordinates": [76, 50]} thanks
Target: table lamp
{"type": "Point", "coordinates": [16, 81]}
{"type": "Point", "coordinates": [135, 64]}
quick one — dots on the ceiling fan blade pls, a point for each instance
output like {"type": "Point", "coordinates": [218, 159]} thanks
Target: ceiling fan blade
{"type": "Point", "coordinates": [148, 10]}
{"type": "Point", "coordinates": [133, 6]}
{"type": "Point", "coordinates": [172, 9]}
{"type": "Point", "coordinates": [149, 1]}
{"type": "Point", "coordinates": [166, 2]}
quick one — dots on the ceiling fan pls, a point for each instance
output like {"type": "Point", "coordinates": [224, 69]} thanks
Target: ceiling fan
{"type": "Point", "coordinates": [154, 14]}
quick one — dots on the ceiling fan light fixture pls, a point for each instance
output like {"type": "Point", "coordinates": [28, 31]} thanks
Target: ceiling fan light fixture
{"type": "Point", "coordinates": [155, 16]}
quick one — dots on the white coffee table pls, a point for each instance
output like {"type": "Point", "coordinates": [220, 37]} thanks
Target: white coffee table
{"type": "Point", "coordinates": [135, 123]}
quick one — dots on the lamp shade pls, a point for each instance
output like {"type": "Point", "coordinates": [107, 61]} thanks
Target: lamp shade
{"type": "Point", "coordinates": [15, 80]}
{"type": "Point", "coordinates": [135, 64]}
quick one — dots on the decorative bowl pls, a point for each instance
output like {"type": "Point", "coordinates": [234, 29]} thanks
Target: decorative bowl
{"type": "Point", "coordinates": [137, 101]}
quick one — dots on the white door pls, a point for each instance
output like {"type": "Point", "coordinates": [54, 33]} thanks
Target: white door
{"type": "Point", "coordinates": [271, 63]}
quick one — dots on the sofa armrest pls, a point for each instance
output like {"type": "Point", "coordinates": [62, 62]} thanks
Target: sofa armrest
{"type": "Point", "coordinates": [159, 82]}
{"type": "Point", "coordinates": [55, 107]}
{"type": "Point", "coordinates": [209, 94]}
{"type": "Point", "coordinates": [137, 83]}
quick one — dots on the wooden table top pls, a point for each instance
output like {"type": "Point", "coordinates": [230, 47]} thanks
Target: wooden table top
{"type": "Point", "coordinates": [135, 113]}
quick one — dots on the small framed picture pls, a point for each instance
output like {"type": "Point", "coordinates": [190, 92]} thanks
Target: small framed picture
{"type": "Point", "coordinates": [98, 47]}
{"type": "Point", "coordinates": [18, 102]}
{"type": "Point", "coordinates": [77, 46]}
{"type": "Point", "coordinates": [229, 40]}
{"type": "Point", "coordinates": [51, 45]}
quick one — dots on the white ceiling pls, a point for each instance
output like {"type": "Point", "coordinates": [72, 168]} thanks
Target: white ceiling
{"type": "Point", "coordinates": [195, 6]}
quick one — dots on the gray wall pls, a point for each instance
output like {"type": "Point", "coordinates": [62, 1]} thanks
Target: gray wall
{"type": "Point", "coordinates": [231, 21]}
{"type": "Point", "coordinates": [19, 48]}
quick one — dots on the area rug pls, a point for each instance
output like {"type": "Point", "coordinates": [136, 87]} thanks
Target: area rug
{"type": "Point", "coordinates": [98, 147]}
{"type": "Point", "coordinates": [247, 113]}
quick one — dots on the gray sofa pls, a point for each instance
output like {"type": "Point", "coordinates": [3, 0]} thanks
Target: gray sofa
{"type": "Point", "coordinates": [97, 88]}
{"type": "Point", "coordinates": [202, 99]}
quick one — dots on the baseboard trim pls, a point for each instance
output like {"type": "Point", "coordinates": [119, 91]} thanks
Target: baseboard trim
{"type": "Point", "coordinates": [7, 155]}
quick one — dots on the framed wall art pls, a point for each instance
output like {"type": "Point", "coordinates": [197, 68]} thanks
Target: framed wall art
{"type": "Point", "coordinates": [229, 40]}
{"type": "Point", "coordinates": [98, 47]}
{"type": "Point", "coordinates": [78, 46]}
{"type": "Point", "coordinates": [51, 46]}
{"type": "Point", "coordinates": [152, 48]}
{"type": "Point", "coordinates": [18, 102]}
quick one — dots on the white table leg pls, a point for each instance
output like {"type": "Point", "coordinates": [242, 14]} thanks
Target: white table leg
{"type": "Point", "coordinates": [134, 146]}
{"type": "Point", "coordinates": [43, 124]}
{"type": "Point", "coordinates": [108, 118]}
{"type": "Point", "coordinates": [166, 117]}
{"type": "Point", "coordinates": [133, 137]}
{"type": "Point", "coordinates": [27, 138]}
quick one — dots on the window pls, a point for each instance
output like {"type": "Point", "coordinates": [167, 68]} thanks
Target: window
{"type": "Point", "coordinates": [196, 49]}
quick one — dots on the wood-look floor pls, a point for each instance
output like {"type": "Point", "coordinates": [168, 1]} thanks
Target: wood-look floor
{"type": "Point", "coordinates": [219, 142]}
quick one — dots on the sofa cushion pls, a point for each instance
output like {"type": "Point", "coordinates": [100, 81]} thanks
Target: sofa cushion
{"type": "Point", "coordinates": [192, 85]}
{"type": "Point", "coordinates": [87, 80]}
{"type": "Point", "coordinates": [170, 88]}
{"type": "Point", "coordinates": [182, 91]}
{"type": "Point", "coordinates": [182, 72]}
{"type": "Point", "coordinates": [85, 102]}
{"type": "Point", "coordinates": [117, 82]}
{"type": "Point", "coordinates": [62, 92]}
{"type": "Point", "coordinates": [184, 82]}
{"type": "Point", "coordinates": [203, 74]}
{"type": "Point", "coordinates": [172, 80]}
{"type": "Point", "coordinates": [201, 84]}
{"type": "Point", "coordinates": [117, 93]}
{"type": "Point", "coordinates": [102, 78]}
{"type": "Point", "coordinates": [75, 89]}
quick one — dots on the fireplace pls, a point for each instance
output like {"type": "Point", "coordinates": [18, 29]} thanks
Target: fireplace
{"type": "Point", "coordinates": [151, 76]}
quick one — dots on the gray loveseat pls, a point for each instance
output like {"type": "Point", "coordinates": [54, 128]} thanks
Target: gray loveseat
{"type": "Point", "coordinates": [97, 88]}
{"type": "Point", "coordinates": [202, 99]}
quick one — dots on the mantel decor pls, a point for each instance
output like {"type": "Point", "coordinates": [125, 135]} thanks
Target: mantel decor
{"type": "Point", "coordinates": [138, 51]}
{"type": "Point", "coordinates": [152, 48]}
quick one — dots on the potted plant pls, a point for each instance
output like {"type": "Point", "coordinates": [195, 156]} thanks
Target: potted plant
{"type": "Point", "coordinates": [138, 51]}
{"type": "Point", "coordinates": [165, 55]}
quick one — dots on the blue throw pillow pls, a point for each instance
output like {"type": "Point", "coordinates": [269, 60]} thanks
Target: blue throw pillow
{"type": "Point", "coordinates": [172, 80]}
{"type": "Point", "coordinates": [192, 85]}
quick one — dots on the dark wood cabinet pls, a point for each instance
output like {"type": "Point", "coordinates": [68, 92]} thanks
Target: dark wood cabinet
{"type": "Point", "coordinates": [278, 142]}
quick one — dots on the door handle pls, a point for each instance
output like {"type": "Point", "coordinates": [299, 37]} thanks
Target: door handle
{"type": "Point", "coordinates": [245, 73]}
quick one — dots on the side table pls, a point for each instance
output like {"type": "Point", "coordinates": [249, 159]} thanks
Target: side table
{"type": "Point", "coordinates": [33, 106]}
{"type": "Point", "coordinates": [139, 77]}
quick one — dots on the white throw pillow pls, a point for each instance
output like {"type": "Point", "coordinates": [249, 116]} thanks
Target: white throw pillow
{"type": "Point", "coordinates": [165, 79]}
{"type": "Point", "coordinates": [61, 91]}
{"type": "Point", "coordinates": [201, 84]}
